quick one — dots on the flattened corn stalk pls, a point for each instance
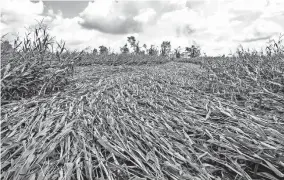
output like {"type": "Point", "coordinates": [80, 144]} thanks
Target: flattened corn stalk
{"type": "Point", "coordinates": [145, 123]}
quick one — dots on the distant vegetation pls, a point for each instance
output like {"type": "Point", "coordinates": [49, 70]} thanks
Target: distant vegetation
{"type": "Point", "coordinates": [145, 113]}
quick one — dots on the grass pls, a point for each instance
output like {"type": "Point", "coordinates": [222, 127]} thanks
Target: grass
{"type": "Point", "coordinates": [123, 119]}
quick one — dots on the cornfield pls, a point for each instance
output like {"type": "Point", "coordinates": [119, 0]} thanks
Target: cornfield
{"type": "Point", "coordinates": [121, 119]}
{"type": "Point", "coordinates": [121, 59]}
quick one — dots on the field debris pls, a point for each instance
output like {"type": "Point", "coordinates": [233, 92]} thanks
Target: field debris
{"type": "Point", "coordinates": [70, 116]}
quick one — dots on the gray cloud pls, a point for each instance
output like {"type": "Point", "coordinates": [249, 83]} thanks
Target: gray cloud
{"type": "Point", "coordinates": [185, 30]}
{"type": "Point", "coordinates": [121, 20]}
{"type": "Point", "coordinates": [246, 16]}
{"type": "Point", "coordinates": [8, 17]}
{"type": "Point", "coordinates": [188, 30]}
{"type": "Point", "coordinates": [75, 42]}
{"type": "Point", "coordinates": [112, 26]}
{"type": "Point", "coordinates": [194, 3]}
{"type": "Point", "coordinates": [256, 39]}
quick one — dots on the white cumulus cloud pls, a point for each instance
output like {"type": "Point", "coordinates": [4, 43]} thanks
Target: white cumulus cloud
{"type": "Point", "coordinates": [17, 14]}
{"type": "Point", "coordinates": [217, 26]}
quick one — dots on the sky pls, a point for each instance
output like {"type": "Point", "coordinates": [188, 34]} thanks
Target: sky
{"type": "Point", "coordinates": [217, 26]}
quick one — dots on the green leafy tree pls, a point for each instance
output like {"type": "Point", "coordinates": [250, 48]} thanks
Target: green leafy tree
{"type": "Point", "coordinates": [177, 52]}
{"type": "Point", "coordinates": [194, 51]}
{"type": "Point", "coordinates": [124, 49]}
{"type": "Point", "coordinates": [95, 51]}
{"type": "Point", "coordinates": [137, 48]}
{"type": "Point", "coordinates": [152, 50]}
{"type": "Point", "coordinates": [144, 49]}
{"type": "Point", "coordinates": [103, 50]}
{"type": "Point", "coordinates": [135, 45]}
{"type": "Point", "coordinates": [165, 48]}
{"type": "Point", "coordinates": [131, 40]}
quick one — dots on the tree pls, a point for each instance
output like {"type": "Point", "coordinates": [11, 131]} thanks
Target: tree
{"type": "Point", "coordinates": [165, 48]}
{"type": "Point", "coordinates": [153, 50]}
{"type": "Point", "coordinates": [145, 46]}
{"type": "Point", "coordinates": [95, 51]}
{"type": "Point", "coordinates": [134, 44]}
{"type": "Point", "coordinates": [103, 49]}
{"type": "Point", "coordinates": [144, 51]}
{"type": "Point", "coordinates": [177, 52]}
{"type": "Point", "coordinates": [131, 40]}
{"type": "Point", "coordinates": [137, 48]}
{"type": "Point", "coordinates": [124, 49]}
{"type": "Point", "coordinates": [194, 51]}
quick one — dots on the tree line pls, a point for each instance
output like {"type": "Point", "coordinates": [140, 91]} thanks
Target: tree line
{"type": "Point", "coordinates": [165, 49]}
{"type": "Point", "coordinates": [152, 50]}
